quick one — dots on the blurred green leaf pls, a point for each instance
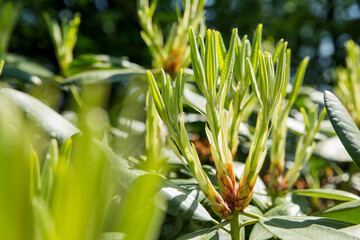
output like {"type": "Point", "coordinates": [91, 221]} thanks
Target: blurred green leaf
{"type": "Point", "coordinates": [15, 73]}
{"type": "Point", "coordinates": [49, 120]}
{"type": "Point", "coordinates": [104, 76]}
{"type": "Point", "coordinates": [28, 65]}
{"type": "Point", "coordinates": [112, 236]}
{"type": "Point", "coordinates": [9, 13]}
{"type": "Point", "coordinates": [139, 207]}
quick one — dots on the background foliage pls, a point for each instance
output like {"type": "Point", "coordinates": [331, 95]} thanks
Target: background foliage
{"type": "Point", "coordinates": [314, 28]}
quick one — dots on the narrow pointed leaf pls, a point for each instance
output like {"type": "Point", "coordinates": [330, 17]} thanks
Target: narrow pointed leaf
{"type": "Point", "coordinates": [256, 47]}
{"type": "Point", "coordinates": [254, 84]}
{"type": "Point", "coordinates": [299, 76]}
{"type": "Point", "coordinates": [160, 106]}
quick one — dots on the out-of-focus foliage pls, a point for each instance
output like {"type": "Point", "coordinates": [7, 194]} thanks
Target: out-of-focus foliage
{"type": "Point", "coordinates": [317, 29]}
{"type": "Point", "coordinates": [348, 81]}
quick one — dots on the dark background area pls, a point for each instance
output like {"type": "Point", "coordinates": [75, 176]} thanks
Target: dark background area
{"type": "Point", "coordinates": [317, 28]}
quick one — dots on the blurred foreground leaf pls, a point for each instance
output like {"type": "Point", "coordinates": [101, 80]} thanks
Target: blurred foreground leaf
{"type": "Point", "coordinates": [45, 117]}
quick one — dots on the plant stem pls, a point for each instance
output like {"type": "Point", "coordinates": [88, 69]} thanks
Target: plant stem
{"type": "Point", "coordinates": [235, 226]}
{"type": "Point", "coordinates": [251, 215]}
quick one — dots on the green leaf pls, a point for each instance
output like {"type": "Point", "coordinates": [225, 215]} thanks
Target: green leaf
{"type": "Point", "coordinates": [15, 73]}
{"type": "Point", "coordinates": [256, 47]}
{"type": "Point", "coordinates": [344, 126]}
{"type": "Point", "coordinates": [228, 68]}
{"type": "Point", "coordinates": [212, 233]}
{"type": "Point", "coordinates": [104, 76]}
{"type": "Point", "coordinates": [286, 209]}
{"type": "Point", "coordinates": [49, 120]}
{"type": "Point", "coordinates": [47, 173]}
{"type": "Point", "coordinates": [353, 231]}
{"type": "Point", "coordinates": [327, 193]}
{"type": "Point", "coordinates": [112, 236]}
{"type": "Point", "coordinates": [159, 103]}
{"type": "Point", "coordinates": [349, 212]}
{"type": "Point", "coordinates": [139, 207]}
{"type": "Point", "coordinates": [277, 50]}
{"type": "Point", "coordinates": [179, 201]}
{"type": "Point", "coordinates": [294, 228]}
{"type": "Point", "coordinates": [254, 84]}
{"type": "Point", "coordinates": [43, 221]}
{"type": "Point", "coordinates": [181, 204]}
{"type": "Point", "coordinates": [260, 197]}
{"type": "Point", "coordinates": [299, 76]}
{"type": "Point", "coordinates": [196, 61]}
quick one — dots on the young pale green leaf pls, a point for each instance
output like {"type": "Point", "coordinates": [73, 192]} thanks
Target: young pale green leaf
{"type": "Point", "coordinates": [49, 120]}
{"type": "Point", "coordinates": [277, 50]}
{"type": "Point", "coordinates": [344, 126]}
{"type": "Point", "coordinates": [256, 47]}
{"type": "Point", "coordinates": [327, 193]}
{"type": "Point", "coordinates": [294, 228]}
{"type": "Point", "coordinates": [299, 76]}
{"type": "Point", "coordinates": [159, 103]}
{"type": "Point", "coordinates": [280, 72]}
{"type": "Point", "coordinates": [71, 34]}
{"type": "Point", "coordinates": [196, 61]}
{"type": "Point", "coordinates": [227, 70]}
{"type": "Point", "coordinates": [211, 61]}
{"type": "Point", "coordinates": [264, 78]}
{"type": "Point", "coordinates": [288, 72]}
{"type": "Point", "coordinates": [240, 60]}
{"type": "Point", "coordinates": [348, 211]}
{"type": "Point", "coordinates": [254, 84]}
{"type": "Point", "coordinates": [221, 50]}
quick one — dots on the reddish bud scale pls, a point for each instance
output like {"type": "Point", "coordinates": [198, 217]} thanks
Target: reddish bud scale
{"type": "Point", "coordinates": [228, 190]}
{"type": "Point", "coordinates": [242, 203]}
{"type": "Point", "coordinates": [219, 206]}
